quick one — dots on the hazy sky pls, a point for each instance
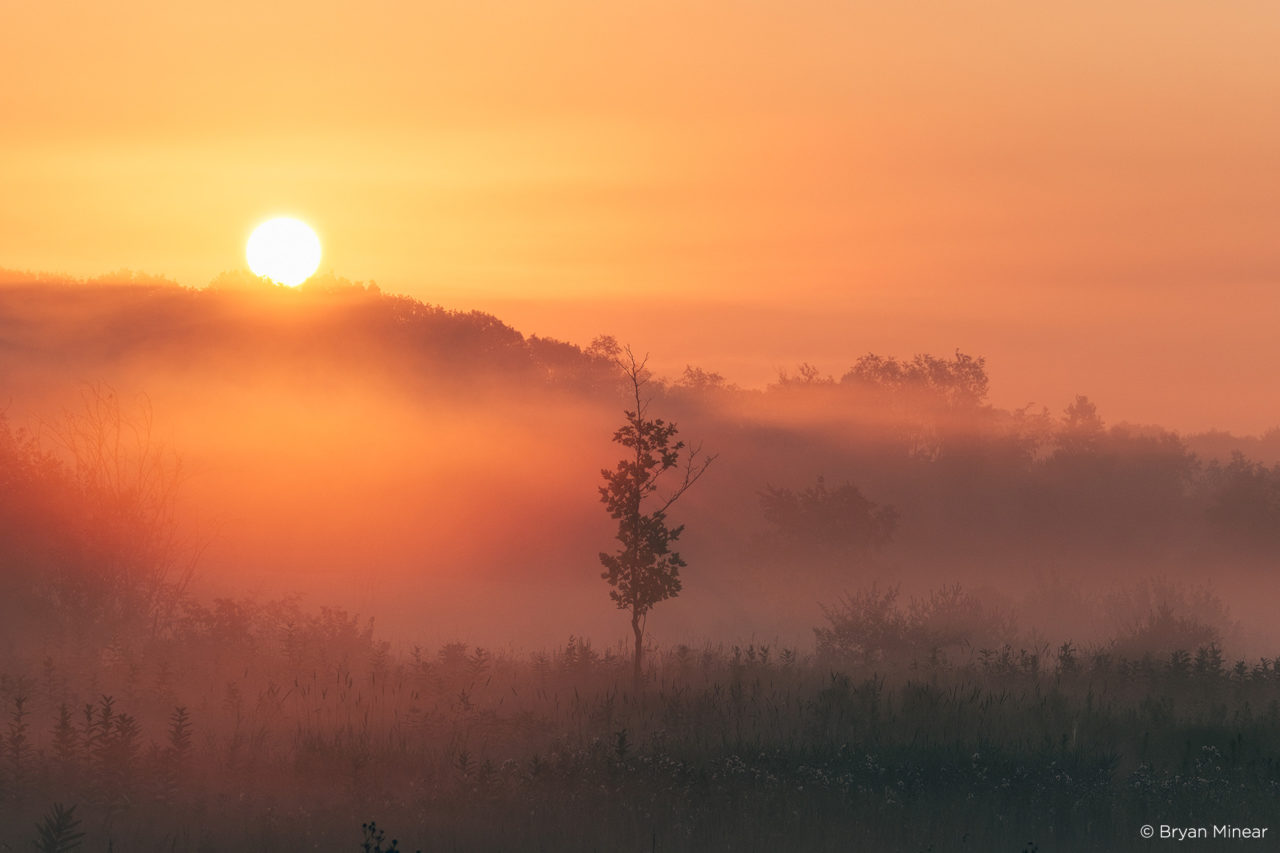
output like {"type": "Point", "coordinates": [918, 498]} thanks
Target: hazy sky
{"type": "Point", "coordinates": [1088, 193]}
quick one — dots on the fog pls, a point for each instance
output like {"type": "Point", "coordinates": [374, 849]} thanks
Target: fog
{"type": "Point", "coordinates": [439, 472]}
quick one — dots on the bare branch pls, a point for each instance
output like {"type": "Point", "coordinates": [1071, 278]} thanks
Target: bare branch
{"type": "Point", "coordinates": [634, 370]}
{"type": "Point", "coordinates": [693, 471]}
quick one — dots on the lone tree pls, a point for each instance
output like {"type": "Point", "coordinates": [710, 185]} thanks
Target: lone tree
{"type": "Point", "coordinates": [644, 570]}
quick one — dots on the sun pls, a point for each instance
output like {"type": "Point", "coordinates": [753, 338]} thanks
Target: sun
{"type": "Point", "coordinates": [284, 250]}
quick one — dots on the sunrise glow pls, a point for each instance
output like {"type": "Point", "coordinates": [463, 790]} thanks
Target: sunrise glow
{"type": "Point", "coordinates": [576, 426]}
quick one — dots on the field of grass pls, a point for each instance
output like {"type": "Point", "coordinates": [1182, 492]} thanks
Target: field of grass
{"type": "Point", "coordinates": [270, 730]}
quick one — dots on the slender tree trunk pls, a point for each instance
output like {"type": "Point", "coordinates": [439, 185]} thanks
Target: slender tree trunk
{"type": "Point", "coordinates": [639, 632]}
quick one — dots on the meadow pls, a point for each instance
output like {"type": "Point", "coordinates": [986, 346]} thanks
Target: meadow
{"type": "Point", "coordinates": [303, 727]}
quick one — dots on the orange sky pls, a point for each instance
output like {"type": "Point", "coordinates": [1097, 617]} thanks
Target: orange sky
{"type": "Point", "coordinates": [1088, 193]}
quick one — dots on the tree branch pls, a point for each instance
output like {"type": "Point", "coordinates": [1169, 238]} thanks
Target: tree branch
{"type": "Point", "coordinates": [693, 471]}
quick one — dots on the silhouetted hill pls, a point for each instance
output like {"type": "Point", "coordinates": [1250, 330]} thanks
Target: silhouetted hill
{"type": "Point", "coordinates": [90, 328]}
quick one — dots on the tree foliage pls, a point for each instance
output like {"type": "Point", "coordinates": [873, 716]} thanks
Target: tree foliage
{"type": "Point", "coordinates": [645, 569]}
{"type": "Point", "coordinates": [838, 518]}
{"type": "Point", "coordinates": [958, 383]}
{"type": "Point", "coordinates": [87, 531]}
{"type": "Point", "coordinates": [1245, 501]}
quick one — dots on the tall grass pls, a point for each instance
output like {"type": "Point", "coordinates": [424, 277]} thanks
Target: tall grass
{"type": "Point", "coordinates": [724, 748]}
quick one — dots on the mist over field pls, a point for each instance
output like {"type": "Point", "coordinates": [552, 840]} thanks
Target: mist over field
{"type": "Point", "coordinates": [440, 472]}
{"type": "Point", "coordinates": [248, 503]}
{"type": "Point", "coordinates": [423, 466]}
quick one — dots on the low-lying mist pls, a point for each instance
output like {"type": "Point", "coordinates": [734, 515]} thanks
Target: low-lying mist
{"type": "Point", "coordinates": [439, 472]}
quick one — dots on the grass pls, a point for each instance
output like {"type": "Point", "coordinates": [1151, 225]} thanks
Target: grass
{"type": "Point", "coordinates": [285, 747]}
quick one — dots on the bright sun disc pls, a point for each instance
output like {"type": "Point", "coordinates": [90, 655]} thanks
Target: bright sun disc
{"type": "Point", "coordinates": [284, 250]}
